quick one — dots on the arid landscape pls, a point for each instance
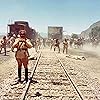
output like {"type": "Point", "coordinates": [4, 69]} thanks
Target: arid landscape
{"type": "Point", "coordinates": [90, 66]}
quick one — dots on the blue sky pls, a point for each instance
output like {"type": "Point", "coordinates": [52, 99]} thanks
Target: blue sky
{"type": "Point", "coordinates": [74, 15]}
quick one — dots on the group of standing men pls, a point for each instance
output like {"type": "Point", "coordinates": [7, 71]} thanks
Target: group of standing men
{"type": "Point", "coordinates": [56, 44]}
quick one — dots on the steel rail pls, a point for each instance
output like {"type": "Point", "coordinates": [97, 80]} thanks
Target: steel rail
{"type": "Point", "coordinates": [29, 81]}
{"type": "Point", "coordinates": [73, 83]}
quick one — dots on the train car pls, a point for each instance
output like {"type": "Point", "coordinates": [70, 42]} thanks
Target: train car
{"type": "Point", "coordinates": [55, 32]}
{"type": "Point", "coordinates": [19, 25]}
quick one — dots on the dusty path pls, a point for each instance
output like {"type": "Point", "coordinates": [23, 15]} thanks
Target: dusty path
{"type": "Point", "coordinates": [90, 67]}
{"type": "Point", "coordinates": [7, 64]}
{"type": "Point", "coordinates": [92, 63]}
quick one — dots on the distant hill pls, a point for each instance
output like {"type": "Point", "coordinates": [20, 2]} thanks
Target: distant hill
{"type": "Point", "coordinates": [85, 33]}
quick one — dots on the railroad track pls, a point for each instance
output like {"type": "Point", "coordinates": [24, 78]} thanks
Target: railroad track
{"type": "Point", "coordinates": [50, 81]}
{"type": "Point", "coordinates": [31, 76]}
{"type": "Point", "coordinates": [83, 83]}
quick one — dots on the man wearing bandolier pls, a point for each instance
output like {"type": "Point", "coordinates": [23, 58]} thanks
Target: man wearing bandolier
{"type": "Point", "coordinates": [57, 45]}
{"type": "Point", "coordinates": [22, 44]}
{"type": "Point", "coordinates": [65, 46]}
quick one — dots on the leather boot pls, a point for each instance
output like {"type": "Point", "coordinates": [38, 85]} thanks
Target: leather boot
{"type": "Point", "coordinates": [26, 75]}
{"type": "Point", "coordinates": [19, 74]}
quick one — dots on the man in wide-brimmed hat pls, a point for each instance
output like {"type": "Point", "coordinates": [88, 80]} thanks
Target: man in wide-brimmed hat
{"type": "Point", "coordinates": [22, 44]}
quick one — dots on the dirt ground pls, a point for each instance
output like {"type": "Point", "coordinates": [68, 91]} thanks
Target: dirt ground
{"type": "Point", "coordinates": [91, 65]}
{"type": "Point", "coordinates": [7, 65]}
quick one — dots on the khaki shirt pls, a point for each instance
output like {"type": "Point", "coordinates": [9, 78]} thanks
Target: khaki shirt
{"type": "Point", "coordinates": [65, 44]}
{"type": "Point", "coordinates": [22, 47]}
